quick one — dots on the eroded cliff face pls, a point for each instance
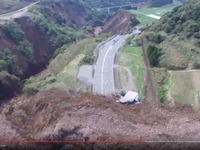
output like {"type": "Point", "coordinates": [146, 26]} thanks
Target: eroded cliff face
{"type": "Point", "coordinates": [64, 15]}
{"type": "Point", "coordinates": [75, 13]}
{"type": "Point", "coordinates": [120, 23]}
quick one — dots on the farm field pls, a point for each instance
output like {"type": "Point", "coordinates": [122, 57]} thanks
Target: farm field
{"type": "Point", "coordinates": [146, 15]}
{"type": "Point", "coordinates": [185, 87]}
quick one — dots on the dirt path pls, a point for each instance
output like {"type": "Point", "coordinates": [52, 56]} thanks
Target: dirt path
{"type": "Point", "coordinates": [130, 85]}
{"type": "Point", "coordinates": [150, 93]}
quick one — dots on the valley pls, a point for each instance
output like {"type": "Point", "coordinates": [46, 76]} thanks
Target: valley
{"type": "Point", "coordinates": [65, 63]}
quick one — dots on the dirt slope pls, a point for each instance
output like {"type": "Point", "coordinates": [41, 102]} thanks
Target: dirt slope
{"type": "Point", "coordinates": [75, 13]}
{"type": "Point", "coordinates": [120, 23]}
{"type": "Point", "coordinates": [56, 114]}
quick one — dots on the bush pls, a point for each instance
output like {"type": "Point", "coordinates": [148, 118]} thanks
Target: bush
{"type": "Point", "coordinates": [196, 64]}
{"type": "Point", "coordinates": [197, 35]}
{"type": "Point", "coordinates": [88, 59]}
{"type": "Point", "coordinates": [26, 48]}
{"type": "Point", "coordinates": [154, 54]}
{"type": "Point", "coordinates": [14, 31]}
{"type": "Point", "coordinates": [155, 37]}
{"type": "Point", "coordinates": [161, 78]}
{"type": "Point", "coordinates": [30, 91]}
{"type": "Point", "coordinates": [168, 28]}
{"type": "Point", "coordinates": [7, 62]}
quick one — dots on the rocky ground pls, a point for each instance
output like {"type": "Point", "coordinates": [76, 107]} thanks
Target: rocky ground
{"type": "Point", "coordinates": [61, 115]}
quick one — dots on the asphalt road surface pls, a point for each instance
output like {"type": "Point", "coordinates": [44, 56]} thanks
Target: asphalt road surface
{"type": "Point", "coordinates": [17, 13]}
{"type": "Point", "coordinates": [103, 81]}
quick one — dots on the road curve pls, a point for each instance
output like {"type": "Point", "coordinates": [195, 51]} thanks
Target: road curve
{"type": "Point", "coordinates": [17, 13]}
{"type": "Point", "coordinates": [103, 82]}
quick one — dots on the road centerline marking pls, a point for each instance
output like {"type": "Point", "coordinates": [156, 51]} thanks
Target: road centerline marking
{"type": "Point", "coordinates": [102, 69]}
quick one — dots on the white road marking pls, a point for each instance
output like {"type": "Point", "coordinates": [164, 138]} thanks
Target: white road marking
{"type": "Point", "coordinates": [102, 69]}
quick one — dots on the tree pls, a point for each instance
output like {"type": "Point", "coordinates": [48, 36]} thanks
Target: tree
{"type": "Point", "coordinates": [9, 64]}
{"type": "Point", "coordinates": [154, 54]}
{"type": "Point", "coordinates": [26, 48]}
{"type": "Point", "coordinates": [14, 31]}
{"type": "Point", "coordinates": [158, 3]}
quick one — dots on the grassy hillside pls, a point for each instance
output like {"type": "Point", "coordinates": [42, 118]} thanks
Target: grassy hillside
{"type": "Point", "coordinates": [173, 49]}
{"type": "Point", "coordinates": [175, 38]}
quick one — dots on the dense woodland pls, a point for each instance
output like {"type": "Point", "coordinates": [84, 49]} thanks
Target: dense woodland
{"type": "Point", "coordinates": [177, 33]}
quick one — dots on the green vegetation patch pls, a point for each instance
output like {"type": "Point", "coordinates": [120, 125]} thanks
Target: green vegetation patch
{"type": "Point", "coordinates": [131, 57]}
{"type": "Point", "coordinates": [62, 60]}
{"type": "Point", "coordinates": [59, 32]}
{"type": "Point", "coordinates": [181, 47]}
{"type": "Point", "coordinates": [63, 69]}
{"type": "Point", "coordinates": [158, 11]}
{"type": "Point", "coordinates": [161, 78]}
{"type": "Point", "coordinates": [7, 62]}
{"type": "Point", "coordinates": [182, 88]}
{"type": "Point", "coordinates": [14, 31]}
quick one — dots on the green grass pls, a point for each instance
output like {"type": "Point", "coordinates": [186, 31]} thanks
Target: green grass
{"type": "Point", "coordinates": [141, 13]}
{"type": "Point", "coordinates": [62, 60]}
{"type": "Point", "coordinates": [63, 70]}
{"type": "Point", "coordinates": [145, 19]}
{"type": "Point", "coordinates": [182, 88]}
{"type": "Point", "coordinates": [132, 58]}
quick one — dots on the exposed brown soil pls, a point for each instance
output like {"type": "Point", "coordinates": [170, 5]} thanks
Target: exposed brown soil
{"type": "Point", "coordinates": [119, 23]}
{"type": "Point", "coordinates": [43, 51]}
{"type": "Point", "coordinates": [43, 115]}
{"type": "Point", "coordinates": [73, 12]}
{"type": "Point", "coordinates": [150, 94]}
{"type": "Point", "coordinates": [75, 15]}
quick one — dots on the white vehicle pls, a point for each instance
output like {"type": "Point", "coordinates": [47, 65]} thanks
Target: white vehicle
{"type": "Point", "coordinates": [130, 97]}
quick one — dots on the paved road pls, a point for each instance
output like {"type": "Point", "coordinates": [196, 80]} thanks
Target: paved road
{"type": "Point", "coordinates": [17, 13]}
{"type": "Point", "coordinates": [103, 82]}
{"type": "Point", "coordinates": [134, 4]}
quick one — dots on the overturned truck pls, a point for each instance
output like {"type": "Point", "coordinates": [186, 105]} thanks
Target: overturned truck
{"type": "Point", "coordinates": [130, 97]}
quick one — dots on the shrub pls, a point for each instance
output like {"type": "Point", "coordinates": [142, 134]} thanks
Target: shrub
{"type": "Point", "coordinates": [196, 64]}
{"type": "Point", "coordinates": [154, 54]}
{"type": "Point", "coordinates": [14, 31]}
{"type": "Point", "coordinates": [156, 37]}
{"type": "Point", "coordinates": [88, 59]}
{"type": "Point", "coordinates": [161, 80]}
{"type": "Point", "coordinates": [26, 48]}
{"type": "Point", "coordinates": [7, 62]}
{"type": "Point", "coordinates": [30, 90]}
{"type": "Point", "coordinates": [197, 35]}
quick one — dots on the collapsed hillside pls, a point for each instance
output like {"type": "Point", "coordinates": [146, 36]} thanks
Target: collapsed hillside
{"type": "Point", "coordinates": [68, 115]}
{"type": "Point", "coordinates": [120, 23]}
{"type": "Point", "coordinates": [25, 52]}
{"type": "Point", "coordinates": [53, 24]}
